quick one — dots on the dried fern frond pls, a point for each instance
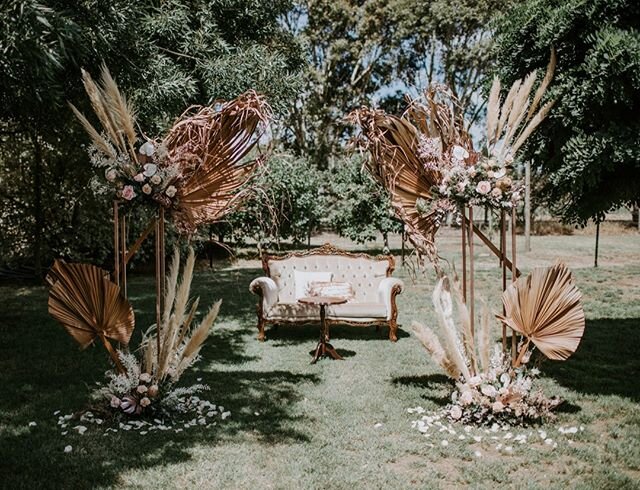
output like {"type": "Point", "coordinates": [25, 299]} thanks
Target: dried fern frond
{"type": "Point", "coordinates": [546, 81]}
{"type": "Point", "coordinates": [546, 308]}
{"type": "Point", "coordinates": [493, 111]}
{"type": "Point", "coordinates": [443, 307]}
{"type": "Point", "coordinates": [116, 116]}
{"type": "Point", "coordinates": [433, 346]}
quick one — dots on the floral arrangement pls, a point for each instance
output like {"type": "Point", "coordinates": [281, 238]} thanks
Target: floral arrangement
{"type": "Point", "coordinates": [490, 386]}
{"type": "Point", "coordinates": [468, 178]}
{"type": "Point", "coordinates": [136, 393]}
{"type": "Point", "coordinates": [501, 394]}
{"type": "Point", "coordinates": [198, 170]}
{"type": "Point", "coordinates": [149, 384]}
{"type": "Point", "coordinates": [150, 176]}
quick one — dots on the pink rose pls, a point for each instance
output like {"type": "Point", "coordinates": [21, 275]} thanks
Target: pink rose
{"type": "Point", "coordinates": [483, 187]}
{"type": "Point", "coordinates": [139, 178]}
{"type": "Point", "coordinates": [128, 193]}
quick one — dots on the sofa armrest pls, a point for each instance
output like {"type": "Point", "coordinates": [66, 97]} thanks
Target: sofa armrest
{"type": "Point", "coordinates": [387, 290]}
{"type": "Point", "coordinates": [265, 287]}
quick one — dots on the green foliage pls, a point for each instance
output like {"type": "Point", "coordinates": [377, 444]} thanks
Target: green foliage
{"type": "Point", "coordinates": [361, 207]}
{"type": "Point", "coordinates": [588, 151]}
{"type": "Point", "coordinates": [164, 55]}
{"type": "Point", "coordinates": [289, 203]}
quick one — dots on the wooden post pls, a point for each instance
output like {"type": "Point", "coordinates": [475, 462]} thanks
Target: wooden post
{"type": "Point", "coordinates": [595, 261]}
{"type": "Point", "coordinates": [503, 263]}
{"type": "Point", "coordinates": [116, 243]}
{"type": "Point", "coordinates": [403, 239]}
{"type": "Point", "coordinates": [158, 285]}
{"type": "Point", "coordinates": [463, 227]}
{"type": "Point", "coordinates": [514, 277]}
{"type": "Point", "coordinates": [123, 252]}
{"type": "Point", "coordinates": [527, 206]}
{"type": "Point", "coordinates": [471, 278]}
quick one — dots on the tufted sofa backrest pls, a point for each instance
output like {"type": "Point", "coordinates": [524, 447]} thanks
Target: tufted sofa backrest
{"type": "Point", "coordinates": [364, 273]}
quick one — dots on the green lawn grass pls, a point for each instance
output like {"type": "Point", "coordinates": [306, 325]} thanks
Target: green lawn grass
{"type": "Point", "coordinates": [295, 425]}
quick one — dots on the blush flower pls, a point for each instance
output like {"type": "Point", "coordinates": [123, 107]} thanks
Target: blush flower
{"type": "Point", "coordinates": [455, 412]}
{"type": "Point", "coordinates": [488, 390]}
{"type": "Point", "coordinates": [145, 377]}
{"type": "Point", "coordinates": [171, 191]}
{"type": "Point", "coordinates": [466, 398]}
{"type": "Point", "coordinates": [156, 179]}
{"type": "Point", "coordinates": [139, 178]}
{"type": "Point", "coordinates": [111, 175]}
{"type": "Point", "coordinates": [115, 402]}
{"type": "Point", "coordinates": [497, 407]}
{"type": "Point", "coordinates": [141, 389]}
{"type": "Point", "coordinates": [145, 402]}
{"type": "Point", "coordinates": [483, 187]}
{"type": "Point", "coordinates": [128, 193]}
{"type": "Point", "coordinates": [496, 192]}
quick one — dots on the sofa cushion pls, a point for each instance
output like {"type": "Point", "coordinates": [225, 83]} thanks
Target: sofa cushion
{"type": "Point", "coordinates": [303, 278]}
{"type": "Point", "coordinates": [363, 273]}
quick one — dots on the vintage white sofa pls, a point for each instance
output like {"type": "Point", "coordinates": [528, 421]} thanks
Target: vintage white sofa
{"type": "Point", "coordinates": [375, 290]}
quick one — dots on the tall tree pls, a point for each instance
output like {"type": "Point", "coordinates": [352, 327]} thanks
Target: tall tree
{"type": "Point", "coordinates": [587, 153]}
{"type": "Point", "coordinates": [166, 55]}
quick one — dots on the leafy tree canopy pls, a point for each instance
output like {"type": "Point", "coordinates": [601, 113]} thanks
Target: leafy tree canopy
{"type": "Point", "coordinates": [588, 150]}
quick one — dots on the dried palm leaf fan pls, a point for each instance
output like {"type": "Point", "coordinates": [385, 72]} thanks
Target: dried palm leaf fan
{"type": "Point", "coordinates": [89, 305]}
{"type": "Point", "coordinates": [212, 149]}
{"type": "Point", "coordinates": [393, 145]}
{"type": "Point", "coordinates": [546, 308]}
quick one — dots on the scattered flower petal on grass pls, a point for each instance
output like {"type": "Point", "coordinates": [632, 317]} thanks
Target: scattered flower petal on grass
{"type": "Point", "coordinates": [32, 424]}
{"type": "Point", "coordinates": [68, 449]}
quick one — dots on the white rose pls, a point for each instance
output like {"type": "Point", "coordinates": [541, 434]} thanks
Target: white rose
{"type": "Point", "coordinates": [456, 412]}
{"type": "Point", "coordinates": [498, 174]}
{"type": "Point", "coordinates": [150, 169]}
{"type": "Point", "coordinates": [147, 149]}
{"type": "Point", "coordinates": [466, 398]}
{"type": "Point", "coordinates": [459, 153]}
{"type": "Point", "coordinates": [171, 191]}
{"type": "Point", "coordinates": [488, 390]}
{"type": "Point", "coordinates": [475, 381]}
{"type": "Point", "coordinates": [111, 175]}
{"type": "Point", "coordinates": [156, 179]}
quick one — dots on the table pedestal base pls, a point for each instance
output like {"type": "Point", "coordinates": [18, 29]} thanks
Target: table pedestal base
{"type": "Point", "coordinates": [324, 349]}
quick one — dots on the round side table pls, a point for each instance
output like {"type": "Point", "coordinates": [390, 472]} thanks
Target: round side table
{"type": "Point", "coordinates": [323, 348]}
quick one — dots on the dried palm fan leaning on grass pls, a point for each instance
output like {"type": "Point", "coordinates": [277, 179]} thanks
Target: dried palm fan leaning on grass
{"type": "Point", "coordinates": [426, 160]}
{"type": "Point", "coordinates": [90, 306]}
{"type": "Point", "coordinates": [197, 171]}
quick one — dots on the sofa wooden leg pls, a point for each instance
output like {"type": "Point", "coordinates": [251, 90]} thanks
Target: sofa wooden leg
{"type": "Point", "coordinates": [393, 330]}
{"type": "Point", "coordinates": [261, 334]}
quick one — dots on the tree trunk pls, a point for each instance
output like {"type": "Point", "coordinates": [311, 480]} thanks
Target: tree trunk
{"type": "Point", "coordinates": [38, 211]}
{"type": "Point", "coordinates": [595, 261]}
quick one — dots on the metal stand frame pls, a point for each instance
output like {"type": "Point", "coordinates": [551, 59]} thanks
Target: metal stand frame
{"type": "Point", "coordinates": [469, 232]}
{"type": "Point", "coordinates": [123, 255]}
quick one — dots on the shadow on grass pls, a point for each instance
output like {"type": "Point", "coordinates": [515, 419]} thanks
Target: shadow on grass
{"type": "Point", "coordinates": [283, 335]}
{"type": "Point", "coordinates": [431, 385]}
{"type": "Point", "coordinates": [606, 362]}
{"type": "Point", "coordinates": [42, 371]}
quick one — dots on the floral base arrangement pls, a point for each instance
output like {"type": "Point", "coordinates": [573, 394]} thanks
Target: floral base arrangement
{"type": "Point", "coordinates": [502, 394]}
